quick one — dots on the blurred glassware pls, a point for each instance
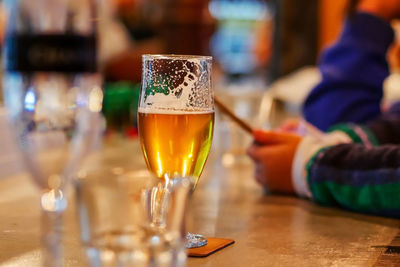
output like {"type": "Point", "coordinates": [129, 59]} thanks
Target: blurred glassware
{"type": "Point", "coordinates": [124, 214]}
{"type": "Point", "coordinates": [116, 209]}
{"type": "Point", "coordinates": [53, 98]}
{"type": "Point", "coordinates": [244, 99]}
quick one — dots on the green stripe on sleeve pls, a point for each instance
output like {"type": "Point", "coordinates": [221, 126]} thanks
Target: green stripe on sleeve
{"type": "Point", "coordinates": [365, 198]}
{"type": "Point", "coordinates": [309, 165]}
{"type": "Point", "coordinates": [351, 131]}
{"type": "Point", "coordinates": [347, 129]}
{"type": "Point", "coordinates": [371, 136]}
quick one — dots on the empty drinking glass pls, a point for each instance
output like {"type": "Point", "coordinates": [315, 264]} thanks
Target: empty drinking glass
{"type": "Point", "coordinates": [53, 97]}
{"type": "Point", "coordinates": [116, 211]}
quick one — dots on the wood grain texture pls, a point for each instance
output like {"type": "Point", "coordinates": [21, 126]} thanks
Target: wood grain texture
{"type": "Point", "coordinates": [269, 230]}
{"type": "Point", "coordinates": [391, 254]}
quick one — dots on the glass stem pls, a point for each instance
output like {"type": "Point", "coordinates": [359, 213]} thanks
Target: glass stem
{"type": "Point", "coordinates": [52, 237]}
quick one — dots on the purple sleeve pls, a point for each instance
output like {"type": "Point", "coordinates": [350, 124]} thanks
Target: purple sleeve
{"type": "Point", "coordinates": [360, 176]}
{"type": "Point", "coordinates": [357, 178]}
{"type": "Point", "coordinates": [352, 71]}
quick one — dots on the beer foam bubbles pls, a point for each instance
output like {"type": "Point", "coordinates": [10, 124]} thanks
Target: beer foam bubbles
{"type": "Point", "coordinates": [173, 111]}
{"type": "Point", "coordinates": [176, 85]}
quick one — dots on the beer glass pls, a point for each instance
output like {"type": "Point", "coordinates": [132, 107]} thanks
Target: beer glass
{"type": "Point", "coordinates": [176, 118]}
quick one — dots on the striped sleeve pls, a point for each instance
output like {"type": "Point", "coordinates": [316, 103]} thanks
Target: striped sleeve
{"type": "Point", "coordinates": [386, 128]}
{"type": "Point", "coordinates": [353, 173]}
{"type": "Point", "coordinates": [359, 134]}
{"type": "Point", "coordinates": [357, 178]}
{"type": "Point", "coordinates": [315, 141]}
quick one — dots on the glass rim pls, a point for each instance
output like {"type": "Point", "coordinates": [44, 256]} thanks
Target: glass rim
{"type": "Point", "coordinates": [174, 56]}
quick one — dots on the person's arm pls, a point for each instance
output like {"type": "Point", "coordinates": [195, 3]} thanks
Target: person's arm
{"type": "Point", "coordinates": [359, 176]}
{"type": "Point", "coordinates": [345, 167]}
{"type": "Point", "coordinates": [386, 128]}
{"type": "Point", "coordinates": [352, 71]}
{"type": "Point", "coordinates": [381, 131]}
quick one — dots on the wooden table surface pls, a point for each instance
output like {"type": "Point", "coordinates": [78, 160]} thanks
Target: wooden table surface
{"type": "Point", "coordinates": [268, 230]}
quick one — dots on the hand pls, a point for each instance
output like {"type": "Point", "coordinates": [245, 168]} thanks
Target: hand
{"type": "Point", "coordinates": [273, 154]}
{"type": "Point", "coordinates": [289, 126]}
{"type": "Point", "coordinates": [299, 127]}
{"type": "Point", "coordinates": [394, 57]}
{"type": "Point", "coordinates": [386, 9]}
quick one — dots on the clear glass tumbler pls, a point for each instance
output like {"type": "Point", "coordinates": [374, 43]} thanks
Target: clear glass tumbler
{"type": "Point", "coordinates": [116, 213]}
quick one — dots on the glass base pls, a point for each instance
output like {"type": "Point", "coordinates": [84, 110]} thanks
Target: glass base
{"type": "Point", "coordinates": [195, 241]}
{"type": "Point", "coordinates": [139, 248]}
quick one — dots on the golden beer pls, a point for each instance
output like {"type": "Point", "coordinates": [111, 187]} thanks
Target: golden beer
{"type": "Point", "coordinates": [176, 144]}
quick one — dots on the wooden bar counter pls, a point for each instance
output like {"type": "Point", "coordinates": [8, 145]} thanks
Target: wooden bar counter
{"type": "Point", "coordinates": [268, 230]}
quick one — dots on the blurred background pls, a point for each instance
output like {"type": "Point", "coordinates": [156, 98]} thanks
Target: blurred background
{"type": "Point", "coordinates": [265, 53]}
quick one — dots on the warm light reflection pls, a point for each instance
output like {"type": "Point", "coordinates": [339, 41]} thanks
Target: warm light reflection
{"type": "Point", "coordinates": [160, 169]}
{"type": "Point", "coordinates": [192, 144]}
{"type": "Point", "coordinates": [96, 99]}
{"type": "Point", "coordinates": [185, 163]}
{"type": "Point", "coordinates": [228, 160]}
{"type": "Point", "coordinates": [54, 200]}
